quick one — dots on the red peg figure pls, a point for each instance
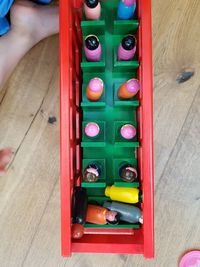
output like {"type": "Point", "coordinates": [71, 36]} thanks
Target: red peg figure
{"type": "Point", "coordinates": [92, 9]}
{"type": "Point", "coordinates": [128, 131]}
{"type": "Point", "coordinates": [77, 231]}
{"type": "Point", "coordinates": [92, 129]}
{"type": "Point", "coordinates": [92, 48]}
{"type": "Point", "coordinates": [129, 89]}
{"type": "Point", "coordinates": [127, 48]}
{"type": "Point", "coordinates": [100, 215]}
{"type": "Point", "coordinates": [95, 89]}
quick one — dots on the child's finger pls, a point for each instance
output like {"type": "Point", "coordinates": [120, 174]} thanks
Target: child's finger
{"type": "Point", "coordinates": [5, 157]}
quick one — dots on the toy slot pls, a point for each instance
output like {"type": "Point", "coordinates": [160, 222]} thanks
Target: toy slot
{"type": "Point", "coordinates": [115, 8]}
{"type": "Point", "coordinates": [97, 26]}
{"type": "Point", "coordinates": [98, 141]}
{"type": "Point", "coordinates": [97, 66]}
{"type": "Point", "coordinates": [119, 140]}
{"type": "Point", "coordinates": [102, 179]}
{"type": "Point", "coordinates": [124, 66]}
{"type": "Point", "coordinates": [100, 201]}
{"type": "Point", "coordinates": [130, 28]}
{"type": "Point", "coordinates": [133, 102]}
{"type": "Point", "coordinates": [123, 27]}
{"type": "Point", "coordinates": [117, 163]}
{"type": "Point", "coordinates": [86, 103]}
{"type": "Point", "coordinates": [96, 193]}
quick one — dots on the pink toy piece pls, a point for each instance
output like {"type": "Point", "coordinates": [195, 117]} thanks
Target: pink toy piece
{"type": "Point", "coordinates": [92, 48]}
{"type": "Point", "coordinates": [133, 86]}
{"type": "Point", "coordinates": [129, 2]}
{"type": "Point", "coordinates": [96, 85]}
{"type": "Point", "coordinates": [128, 131]}
{"type": "Point", "coordinates": [125, 55]}
{"type": "Point", "coordinates": [191, 259]}
{"type": "Point", "coordinates": [92, 10]}
{"type": "Point", "coordinates": [127, 48]}
{"type": "Point", "coordinates": [92, 129]}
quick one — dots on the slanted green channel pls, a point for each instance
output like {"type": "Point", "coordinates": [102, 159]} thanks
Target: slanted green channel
{"type": "Point", "coordinates": [109, 149]}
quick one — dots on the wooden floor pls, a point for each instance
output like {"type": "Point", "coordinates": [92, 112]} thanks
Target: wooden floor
{"type": "Point", "coordinates": [29, 192]}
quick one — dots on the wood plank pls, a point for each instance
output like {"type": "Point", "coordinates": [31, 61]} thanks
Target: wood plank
{"type": "Point", "coordinates": [26, 91]}
{"type": "Point", "coordinates": [30, 180]}
{"type": "Point", "coordinates": [176, 46]}
{"type": "Point", "coordinates": [26, 189]}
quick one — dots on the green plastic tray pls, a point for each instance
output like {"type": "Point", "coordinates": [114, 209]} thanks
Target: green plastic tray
{"type": "Point", "coordinates": [109, 148]}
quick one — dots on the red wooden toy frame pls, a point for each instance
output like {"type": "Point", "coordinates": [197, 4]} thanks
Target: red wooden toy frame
{"type": "Point", "coordinates": [142, 242]}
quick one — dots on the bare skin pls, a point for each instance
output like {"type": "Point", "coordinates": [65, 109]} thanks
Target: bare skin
{"type": "Point", "coordinates": [30, 23]}
{"type": "Point", "coordinates": [5, 157]}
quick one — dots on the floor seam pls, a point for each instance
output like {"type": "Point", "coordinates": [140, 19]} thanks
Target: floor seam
{"type": "Point", "coordinates": [177, 140]}
{"type": "Point", "coordinates": [33, 120]}
{"type": "Point", "coordinates": [37, 228]}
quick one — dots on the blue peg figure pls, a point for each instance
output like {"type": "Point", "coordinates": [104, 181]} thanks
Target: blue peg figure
{"type": "Point", "coordinates": [126, 9]}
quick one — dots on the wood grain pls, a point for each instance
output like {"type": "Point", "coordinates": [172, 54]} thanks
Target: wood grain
{"type": "Point", "coordinates": [29, 192]}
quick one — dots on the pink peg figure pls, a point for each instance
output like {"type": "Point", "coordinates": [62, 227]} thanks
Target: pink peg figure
{"type": "Point", "coordinates": [92, 48]}
{"type": "Point", "coordinates": [129, 89]}
{"type": "Point", "coordinates": [92, 9]}
{"type": "Point", "coordinates": [95, 89]}
{"type": "Point", "coordinates": [127, 48]}
{"type": "Point", "coordinates": [92, 129]}
{"type": "Point", "coordinates": [128, 131]}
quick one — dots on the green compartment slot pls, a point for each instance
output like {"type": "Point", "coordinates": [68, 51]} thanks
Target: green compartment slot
{"type": "Point", "coordinates": [98, 199]}
{"type": "Point", "coordinates": [101, 135]}
{"type": "Point", "coordinates": [117, 163]}
{"type": "Point", "coordinates": [97, 192]}
{"type": "Point", "coordinates": [102, 179]}
{"type": "Point", "coordinates": [97, 66]}
{"type": "Point", "coordinates": [123, 27]}
{"type": "Point", "coordinates": [97, 26]}
{"type": "Point", "coordinates": [92, 104]}
{"type": "Point", "coordinates": [118, 137]}
{"type": "Point", "coordinates": [124, 66]}
{"type": "Point", "coordinates": [109, 109]}
{"type": "Point", "coordinates": [133, 102]}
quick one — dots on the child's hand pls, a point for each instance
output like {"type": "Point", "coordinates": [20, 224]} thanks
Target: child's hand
{"type": "Point", "coordinates": [5, 157]}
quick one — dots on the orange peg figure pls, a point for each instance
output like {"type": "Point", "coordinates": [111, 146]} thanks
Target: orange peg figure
{"type": "Point", "coordinates": [100, 215]}
{"type": "Point", "coordinates": [95, 89]}
{"type": "Point", "coordinates": [129, 89]}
